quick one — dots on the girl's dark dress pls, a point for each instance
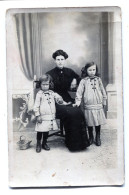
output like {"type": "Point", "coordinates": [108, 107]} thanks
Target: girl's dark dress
{"type": "Point", "coordinates": [72, 117]}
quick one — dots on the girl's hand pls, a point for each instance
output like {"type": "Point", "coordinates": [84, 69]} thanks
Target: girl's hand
{"type": "Point", "coordinates": [68, 103]}
{"type": "Point", "coordinates": [75, 105]}
{"type": "Point", "coordinates": [104, 106]}
{"type": "Point", "coordinates": [59, 100]}
{"type": "Point", "coordinates": [39, 119]}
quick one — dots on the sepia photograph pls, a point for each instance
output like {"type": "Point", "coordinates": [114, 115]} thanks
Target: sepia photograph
{"type": "Point", "coordinates": [65, 97]}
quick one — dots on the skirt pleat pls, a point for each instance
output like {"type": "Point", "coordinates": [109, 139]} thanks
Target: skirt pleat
{"type": "Point", "coordinates": [95, 117]}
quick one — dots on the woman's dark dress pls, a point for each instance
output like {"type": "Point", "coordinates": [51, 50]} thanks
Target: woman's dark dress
{"type": "Point", "coordinates": [72, 117]}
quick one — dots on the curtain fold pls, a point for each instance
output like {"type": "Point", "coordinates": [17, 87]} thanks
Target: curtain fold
{"type": "Point", "coordinates": [30, 44]}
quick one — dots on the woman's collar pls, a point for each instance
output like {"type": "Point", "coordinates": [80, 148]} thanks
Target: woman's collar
{"type": "Point", "coordinates": [59, 69]}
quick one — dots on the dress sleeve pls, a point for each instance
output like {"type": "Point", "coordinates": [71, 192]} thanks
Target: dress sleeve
{"type": "Point", "coordinates": [58, 98]}
{"type": "Point", "coordinates": [79, 93]}
{"type": "Point", "coordinates": [103, 91]}
{"type": "Point", "coordinates": [37, 104]}
{"type": "Point", "coordinates": [74, 75]}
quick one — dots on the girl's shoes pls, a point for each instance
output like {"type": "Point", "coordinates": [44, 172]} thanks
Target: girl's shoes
{"type": "Point", "coordinates": [98, 141]}
{"type": "Point", "coordinates": [38, 147]}
{"type": "Point", "coordinates": [91, 140]}
{"type": "Point", "coordinates": [44, 143]}
{"type": "Point", "coordinates": [91, 137]}
{"type": "Point", "coordinates": [45, 146]}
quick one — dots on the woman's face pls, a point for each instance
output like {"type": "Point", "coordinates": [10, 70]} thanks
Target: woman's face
{"type": "Point", "coordinates": [91, 71]}
{"type": "Point", "coordinates": [60, 61]}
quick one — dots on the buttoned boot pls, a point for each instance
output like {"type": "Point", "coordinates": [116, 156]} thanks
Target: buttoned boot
{"type": "Point", "coordinates": [91, 137]}
{"type": "Point", "coordinates": [38, 146]}
{"type": "Point", "coordinates": [44, 144]}
{"type": "Point", "coordinates": [97, 139]}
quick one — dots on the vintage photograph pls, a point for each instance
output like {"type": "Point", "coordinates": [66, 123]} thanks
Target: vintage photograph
{"type": "Point", "coordinates": [65, 97]}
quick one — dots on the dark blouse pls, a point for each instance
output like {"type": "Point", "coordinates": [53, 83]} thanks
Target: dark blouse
{"type": "Point", "coordinates": [62, 79]}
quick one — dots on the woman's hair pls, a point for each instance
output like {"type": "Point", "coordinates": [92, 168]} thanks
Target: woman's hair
{"type": "Point", "coordinates": [60, 53]}
{"type": "Point", "coordinates": [84, 69]}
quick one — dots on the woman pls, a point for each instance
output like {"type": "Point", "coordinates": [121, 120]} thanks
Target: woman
{"type": "Point", "coordinates": [65, 79]}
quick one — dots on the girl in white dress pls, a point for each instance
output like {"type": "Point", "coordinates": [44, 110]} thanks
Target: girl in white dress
{"type": "Point", "coordinates": [91, 92]}
{"type": "Point", "coordinates": [45, 112]}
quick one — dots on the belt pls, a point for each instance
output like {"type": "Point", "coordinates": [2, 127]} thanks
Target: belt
{"type": "Point", "coordinates": [93, 107]}
{"type": "Point", "coordinates": [48, 117]}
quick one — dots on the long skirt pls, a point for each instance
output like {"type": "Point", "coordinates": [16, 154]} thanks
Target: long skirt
{"type": "Point", "coordinates": [74, 125]}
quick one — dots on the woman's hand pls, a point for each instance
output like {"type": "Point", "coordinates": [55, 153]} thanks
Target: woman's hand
{"type": "Point", "coordinates": [39, 119]}
{"type": "Point", "coordinates": [73, 84]}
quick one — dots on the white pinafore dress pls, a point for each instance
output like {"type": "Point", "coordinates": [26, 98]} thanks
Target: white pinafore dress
{"type": "Point", "coordinates": [45, 107]}
{"type": "Point", "coordinates": [92, 93]}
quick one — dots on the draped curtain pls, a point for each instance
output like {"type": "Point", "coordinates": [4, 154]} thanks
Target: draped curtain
{"type": "Point", "coordinates": [30, 44]}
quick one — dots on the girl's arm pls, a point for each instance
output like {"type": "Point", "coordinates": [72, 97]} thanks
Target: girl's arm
{"type": "Point", "coordinates": [36, 108]}
{"type": "Point", "coordinates": [59, 99]}
{"type": "Point", "coordinates": [37, 104]}
{"type": "Point", "coordinates": [79, 93]}
{"type": "Point", "coordinates": [103, 91]}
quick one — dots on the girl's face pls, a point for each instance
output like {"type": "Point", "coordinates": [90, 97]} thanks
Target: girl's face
{"type": "Point", "coordinates": [91, 71]}
{"type": "Point", "coordinates": [60, 61]}
{"type": "Point", "coordinates": [45, 86]}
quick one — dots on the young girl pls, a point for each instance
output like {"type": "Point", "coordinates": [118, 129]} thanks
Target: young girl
{"type": "Point", "coordinates": [92, 92]}
{"type": "Point", "coordinates": [45, 112]}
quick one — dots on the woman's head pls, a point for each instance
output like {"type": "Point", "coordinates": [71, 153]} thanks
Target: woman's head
{"type": "Point", "coordinates": [44, 82]}
{"type": "Point", "coordinates": [60, 56]}
{"type": "Point", "coordinates": [90, 70]}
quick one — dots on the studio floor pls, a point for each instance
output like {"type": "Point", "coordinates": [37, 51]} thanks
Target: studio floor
{"type": "Point", "coordinates": [60, 167]}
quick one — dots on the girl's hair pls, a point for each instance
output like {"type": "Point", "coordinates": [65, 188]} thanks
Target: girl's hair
{"type": "Point", "coordinates": [60, 53]}
{"type": "Point", "coordinates": [84, 69]}
{"type": "Point", "coordinates": [45, 78]}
